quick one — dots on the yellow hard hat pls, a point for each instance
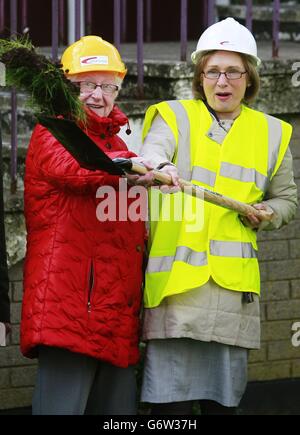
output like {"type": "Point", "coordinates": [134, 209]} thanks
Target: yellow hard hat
{"type": "Point", "coordinates": [92, 53]}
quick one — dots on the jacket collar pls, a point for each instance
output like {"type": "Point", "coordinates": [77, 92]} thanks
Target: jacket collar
{"type": "Point", "coordinates": [109, 126]}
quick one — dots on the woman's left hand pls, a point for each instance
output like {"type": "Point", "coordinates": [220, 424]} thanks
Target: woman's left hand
{"type": "Point", "coordinates": [146, 180]}
{"type": "Point", "coordinates": [252, 220]}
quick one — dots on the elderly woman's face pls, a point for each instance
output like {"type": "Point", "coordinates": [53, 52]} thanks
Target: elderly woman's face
{"type": "Point", "coordinates": [99, 99]}
{"type": "Point", "coordinates": [224, 94]}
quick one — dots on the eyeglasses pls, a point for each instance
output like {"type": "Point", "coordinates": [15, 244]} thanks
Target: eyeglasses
{"type": "Point", "coordinates": [230, 75]}
{"type": "Point", "coordinates": [106, 88]}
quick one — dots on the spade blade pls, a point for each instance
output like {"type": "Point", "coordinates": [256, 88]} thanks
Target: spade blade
{"type": "Point", "coordinates": [79, 145]}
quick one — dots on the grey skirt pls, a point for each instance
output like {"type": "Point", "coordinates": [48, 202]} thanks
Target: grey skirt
{"type": "Point", "coordinates": [182, 369]}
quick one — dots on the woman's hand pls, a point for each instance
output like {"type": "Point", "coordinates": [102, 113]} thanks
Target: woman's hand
{"type": "Point", "coordinates": [149, 180]}
{"type": "Point", "coordinates": [146, 180]}
{"type": "Point", "coordinates": [173, 172]}
{"type": "Point", "coordinates": [252, 220]}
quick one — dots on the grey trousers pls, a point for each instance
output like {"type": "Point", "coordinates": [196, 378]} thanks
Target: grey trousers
{"type": "Point", "coordinates": [74, 384]}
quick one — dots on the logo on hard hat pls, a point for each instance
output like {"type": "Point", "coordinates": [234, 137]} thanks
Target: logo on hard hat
{"type": "Point", "coordinates": [94, 60]}
{"type": "Point", "coordinates": [226, 42]}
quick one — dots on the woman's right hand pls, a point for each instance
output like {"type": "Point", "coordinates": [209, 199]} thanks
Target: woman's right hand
{"type": "Point", "coordinates": [148, 179]}
{"type": "Point", "coordinates": [173, 172]}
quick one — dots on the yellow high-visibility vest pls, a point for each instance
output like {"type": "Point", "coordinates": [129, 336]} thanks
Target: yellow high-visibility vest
{"type": "Point", "coordinates": [185, 252]}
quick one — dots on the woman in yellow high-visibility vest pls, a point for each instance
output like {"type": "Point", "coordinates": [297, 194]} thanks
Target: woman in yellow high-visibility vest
{"type": "Point", "coordinates": [202, 282]}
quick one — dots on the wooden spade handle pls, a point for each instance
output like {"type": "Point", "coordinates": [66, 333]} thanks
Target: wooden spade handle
{"type": "Point", "coordinates": [208, 195]}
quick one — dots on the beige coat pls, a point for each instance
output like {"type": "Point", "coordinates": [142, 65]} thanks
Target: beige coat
{"type": "Point", "coordinates": [210, 312]}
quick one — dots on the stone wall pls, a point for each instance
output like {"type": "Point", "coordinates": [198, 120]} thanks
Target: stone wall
{"type": "Point", "coordinates": [279, 250]}
{"type": "Point", "coordinates": [279, 253]}
{"type": "Point", "coordinates": [262, 18]}
{"type": "Point", "coordinates": [17, 374]}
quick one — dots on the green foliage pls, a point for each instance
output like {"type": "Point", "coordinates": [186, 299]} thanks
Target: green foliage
{"type": "Point", "coordinates": [50, 92]}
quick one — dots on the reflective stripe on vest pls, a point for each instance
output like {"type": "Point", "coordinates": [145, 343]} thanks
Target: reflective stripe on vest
{"type": "Point", "coordinates": [274, 139]}
{"type": "Point", "coordinates": [204, 175]}
{"type": "Point", "coordinates": [227, 170]}
{"type": "Point", "coordinates": [183, 253]}
{"type": "Point", "coordinates": [240, 173]}
{"type": "Point", "coordinates": [183, 150]}
{"type": "Point", "coordinates": [193, 258]}
{"type": "Point", "coordinates": [232, 249]}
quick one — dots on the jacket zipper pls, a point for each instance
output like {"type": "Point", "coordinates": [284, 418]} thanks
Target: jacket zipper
{"type": "Point", "coordinates": [91, 286]}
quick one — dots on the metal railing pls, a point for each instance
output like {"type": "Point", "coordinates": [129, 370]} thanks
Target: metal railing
{"type": "Point", "coordinates": [13, 157]}
{"type": "Point", "coordinates": [144, 7]}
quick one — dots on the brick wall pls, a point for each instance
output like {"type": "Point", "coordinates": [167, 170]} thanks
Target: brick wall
{"type": "Point", "coordinates": [17, 374]}
{"type": "Point", "coordinates": [279, 253]}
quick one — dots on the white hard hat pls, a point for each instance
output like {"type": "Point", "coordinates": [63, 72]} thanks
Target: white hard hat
{"type": "Point", "coordinates": [228, 35]}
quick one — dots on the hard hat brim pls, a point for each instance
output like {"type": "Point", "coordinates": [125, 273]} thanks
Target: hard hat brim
{"type": "Point", "coordinates": [195, 56]}
{"type": "Point", "coordinates": [95, 68]}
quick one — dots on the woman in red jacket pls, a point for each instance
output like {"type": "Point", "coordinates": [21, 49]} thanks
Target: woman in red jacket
{"type": "Point", "coordinates": [83, 277]}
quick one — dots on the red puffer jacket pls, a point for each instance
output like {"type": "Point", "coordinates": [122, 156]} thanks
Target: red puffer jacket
{"type": "Point", "coordinates": [82, 278]}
